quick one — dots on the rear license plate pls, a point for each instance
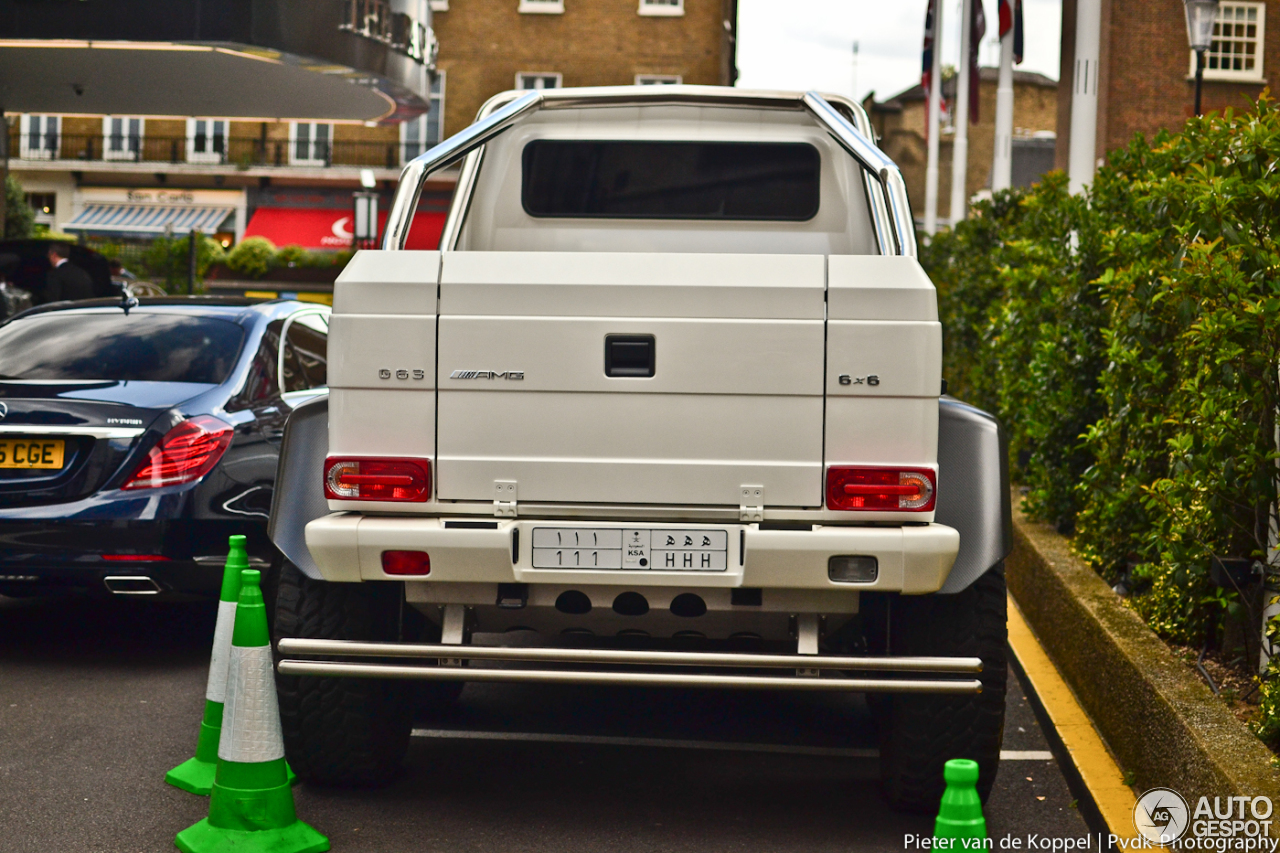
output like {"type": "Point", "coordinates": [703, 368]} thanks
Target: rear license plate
{"type": "Point", "coordinates": [31, 452]}
{"type": "Point", "coordinates": [638, 549]}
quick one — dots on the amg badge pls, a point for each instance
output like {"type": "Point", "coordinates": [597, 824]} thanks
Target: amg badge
{"type": "Point", "coordinates": [514, 375]}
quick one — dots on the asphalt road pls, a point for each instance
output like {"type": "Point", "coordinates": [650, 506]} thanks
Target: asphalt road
{"type": "Point", "coordinates": [99, 698]}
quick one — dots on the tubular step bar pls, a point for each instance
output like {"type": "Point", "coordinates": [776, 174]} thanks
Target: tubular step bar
{"type": "Point", "coordinates": [897, 236]}
{"type": "Point", "coordinates": [614, 657]}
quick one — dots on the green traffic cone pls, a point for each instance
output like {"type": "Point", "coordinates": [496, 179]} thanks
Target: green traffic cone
{"type": "Point", "coordinates": [251, 806]}
{"type": "Point", "coordinates": [196, 774]}
{"type": "Point", "coordinates": [960, 812]}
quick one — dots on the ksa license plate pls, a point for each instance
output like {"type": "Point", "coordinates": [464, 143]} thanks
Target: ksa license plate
{"type": "Point", "coordinates": [31, 452]}
{"type": "Point", "coordinates": [638, 549]}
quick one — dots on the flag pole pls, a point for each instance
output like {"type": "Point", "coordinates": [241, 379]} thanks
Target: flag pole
{"type": "Point", "coordinates": [934, 132]}
{"type": "Point", "coordinates": [960, 149]}
{"type": "Point", "coordinates": [1002, 161]}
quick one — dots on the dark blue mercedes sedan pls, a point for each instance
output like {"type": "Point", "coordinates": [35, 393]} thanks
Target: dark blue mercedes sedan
{"type": "Point", "coordinates": [134, 438]}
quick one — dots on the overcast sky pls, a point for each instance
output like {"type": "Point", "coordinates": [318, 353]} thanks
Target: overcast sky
{"type": "Point", "coordinates": [808, 44]}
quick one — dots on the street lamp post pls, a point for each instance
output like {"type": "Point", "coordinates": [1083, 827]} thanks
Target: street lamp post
{"type": "Point", "coordinates": [1201, 15]}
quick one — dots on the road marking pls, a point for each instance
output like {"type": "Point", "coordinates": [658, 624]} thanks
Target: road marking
{"type": "Point", "coordinates": [1088, 752]}
{"type": "Point", "coordinates": [677, 743]}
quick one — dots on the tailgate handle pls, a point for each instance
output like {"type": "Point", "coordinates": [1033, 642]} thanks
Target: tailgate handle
{"type": "Point", "coordinates": [630, 356]}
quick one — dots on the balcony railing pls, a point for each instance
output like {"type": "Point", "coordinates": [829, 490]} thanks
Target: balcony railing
{"type": "Point", "coordinates": [244, 153]}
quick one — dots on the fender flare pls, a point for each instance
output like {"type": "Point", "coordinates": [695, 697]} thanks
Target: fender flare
{"type": "Point", "coordinates": [299, 494]}
{"type": "Point", "coordinates": [973, 490]}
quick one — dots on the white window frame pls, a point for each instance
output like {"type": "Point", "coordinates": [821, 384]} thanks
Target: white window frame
{"type": "Point", "coordinates": [311, 159]}
{"type": "Point", "coordinates": [42, 151]}
{"type": "Point", "coordinates": [127, 152]}
{"type": "Point", "coordinates": [541, 77]}
{"type": "Point", "coordinates": [541, 7]}
{"type": "Point", "coordinates": [423, 123]}
{"type": "Point", "coordinates": [659, 79]}
{"type": "Point", "coordinates": [662, 8]}
{"type": "Point", "coordinates": [211, 155]}
{"type": "Point", "coordinates": [439, 5]}
{"type": "Point", "coordinates": [1254, 75]}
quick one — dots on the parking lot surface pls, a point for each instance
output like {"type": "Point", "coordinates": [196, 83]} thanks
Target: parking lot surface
{"type": "Point", "coordinates": [99, 698]}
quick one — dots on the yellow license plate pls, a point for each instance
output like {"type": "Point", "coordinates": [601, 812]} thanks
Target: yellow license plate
{"type": "Point", "coordinates": [31, 452]}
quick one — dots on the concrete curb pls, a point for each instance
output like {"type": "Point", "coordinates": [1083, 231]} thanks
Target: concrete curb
{"type": "Point", "coordinates": [1160, 721]}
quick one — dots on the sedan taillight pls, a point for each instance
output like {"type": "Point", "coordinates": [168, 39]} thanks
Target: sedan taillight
{"type": "Point", "coordinates": [348, 478]}
{"type": "Point", "coordinates": [185, 454]}
{"type": "Point", "coordinates": [881, 489]}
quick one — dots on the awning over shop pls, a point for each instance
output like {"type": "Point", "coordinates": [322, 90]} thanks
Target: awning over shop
{"type": "Point", "coordinates": [320, 228]}
{"type": "Point", "coordinates": [147, 219]}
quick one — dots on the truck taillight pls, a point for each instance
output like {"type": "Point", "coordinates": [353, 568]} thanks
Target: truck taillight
{"type": "Point", "coordinates": [881, 489]}
{"type": "Point", "coordinates": [348, 478]}
{"type": "Point", "coordinates": [185, 454]}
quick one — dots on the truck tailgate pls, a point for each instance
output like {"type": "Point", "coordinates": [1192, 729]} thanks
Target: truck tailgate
{"type": "Point", "coordinates": [735, 397]}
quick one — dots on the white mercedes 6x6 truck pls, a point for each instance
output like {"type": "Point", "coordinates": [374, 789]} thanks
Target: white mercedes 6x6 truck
{"type": "Point", "coordinates": [665, 409]}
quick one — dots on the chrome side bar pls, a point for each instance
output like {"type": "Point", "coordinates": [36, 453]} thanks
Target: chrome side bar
{"type": "Point", "coordinates": [625, 679]}
{"type": "Point", "coordinates": [416, 170]}
{"type": "Point", "coordinates": [874, 161]}
{"type": "Point", "coordinates": [351, 648]}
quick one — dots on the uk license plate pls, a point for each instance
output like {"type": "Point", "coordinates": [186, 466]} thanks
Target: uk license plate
{"type": "Point", "coordinates": [32, 452]}
{"type": "Point", "coordinates": [633, 549]}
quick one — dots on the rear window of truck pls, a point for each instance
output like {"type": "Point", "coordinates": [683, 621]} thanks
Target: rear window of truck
{"type": "Point", "coordinates": [767, 181]}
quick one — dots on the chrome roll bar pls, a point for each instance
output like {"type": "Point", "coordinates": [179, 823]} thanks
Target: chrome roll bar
{"type": "Point", "coordinates": [895, 228]}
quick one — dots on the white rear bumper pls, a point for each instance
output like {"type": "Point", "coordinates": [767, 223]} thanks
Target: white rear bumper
{"type": "Point", "coordinates": [912, 559]}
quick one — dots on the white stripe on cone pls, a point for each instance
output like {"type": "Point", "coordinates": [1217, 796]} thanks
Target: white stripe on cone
{"type": "Point", "coordinates": [251, 720]}
{"type": "Point", "coordinates": [221, 657]}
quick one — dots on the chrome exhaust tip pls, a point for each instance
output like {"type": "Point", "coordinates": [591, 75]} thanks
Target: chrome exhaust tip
{"type": "Point", "coordinates": [131, 585]}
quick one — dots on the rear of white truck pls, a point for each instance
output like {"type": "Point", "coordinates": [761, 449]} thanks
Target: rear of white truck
{"type": "Point", "coordinates": [665, 411]}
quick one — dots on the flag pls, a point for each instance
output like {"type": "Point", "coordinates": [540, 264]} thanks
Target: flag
{"type": "Point", "coordinates": [977, 30]}
{"type": "Point", "coordinates": [1011, 19]}
{"type": "Point", "coordinates": [926, 72]}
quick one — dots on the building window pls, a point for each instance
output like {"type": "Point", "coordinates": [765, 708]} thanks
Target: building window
{"type": "Point", "coordinates": [39, 138]}
{"type": "Point", "coordinates": [310, 143]}
{"type": "Point", "coordinates": [1238, 37]}
{"type": "Point", "coordinates": [439, 5]}
{"type": "Point", "coordinates": [121, 138]}
{"type": "Point", "coordinates": [419, 134]}
{"type": "Point", "coordinates": [658, 79]}
{"type": "Point", "coordinates": [661, 7]}
{"type": "Point", "coordinates": [45, 205]}
{"type": "Point", "coordinates": [538, 80]}
{"type": "Point", "coordinates": [206, 140]}
{"type": "Point", "coordinates": [541, 7]}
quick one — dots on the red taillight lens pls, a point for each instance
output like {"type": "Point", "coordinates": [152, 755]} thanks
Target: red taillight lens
{"type": "Point", "coordinates": [406, 563]}
{"type": "Point", "coordinates": [882, 489]}
{"type": "Point", "coordinates": [185, 454]}
{"type": "Point", "coordinates": [360, 479]}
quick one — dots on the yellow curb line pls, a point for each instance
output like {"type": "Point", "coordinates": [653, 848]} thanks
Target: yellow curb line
{"type": "Point", "coordinates": [1098, 770]}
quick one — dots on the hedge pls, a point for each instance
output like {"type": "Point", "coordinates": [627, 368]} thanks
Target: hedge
{"type": "Point", "coordinates": [1129, 338]}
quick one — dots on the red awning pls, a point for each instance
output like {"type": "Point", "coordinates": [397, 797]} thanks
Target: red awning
{"type": "Point", "coordinates": [317, 228]}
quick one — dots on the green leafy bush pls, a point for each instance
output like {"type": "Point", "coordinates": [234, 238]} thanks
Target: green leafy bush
{"type": "Point", "coordinates": [291, 255]}
{"type": "Point", "coordinates": [1130, 341]}
{"type": "Point", "coordinates": [251, 257]}
{"type": "Point", "coordinates": [19, 218]}
{"type": "Point", "coordinates": [167, 261]}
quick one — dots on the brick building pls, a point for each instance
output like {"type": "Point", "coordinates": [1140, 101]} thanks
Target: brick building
{"type": "Point", "coordinates": [1147, 71]}
{"type": "Point", "coordinates": [900, 123]}
{"type": "Point", "coordinates": [487, 46]}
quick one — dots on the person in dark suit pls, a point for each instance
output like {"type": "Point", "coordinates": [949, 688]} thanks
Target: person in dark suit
{"type": "Point", "coordinates": [65, 280]}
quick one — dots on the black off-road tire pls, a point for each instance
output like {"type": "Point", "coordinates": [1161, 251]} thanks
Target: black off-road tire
{"type": "Point", "coordinates": [920, 732]}
{"type": "Point", "coordinates": [342, 731]}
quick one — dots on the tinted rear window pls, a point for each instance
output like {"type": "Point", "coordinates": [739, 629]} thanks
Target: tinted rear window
{"type": "Point", "coordinates": [139, 347]}
{"type": "Point", "coordinates": [775, 181]}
